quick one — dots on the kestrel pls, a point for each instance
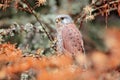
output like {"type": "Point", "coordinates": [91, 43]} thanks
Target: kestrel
{"type": "Point", "coordinates": [69, 37]}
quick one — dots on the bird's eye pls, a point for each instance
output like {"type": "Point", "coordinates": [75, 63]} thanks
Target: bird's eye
{"type": "Point", "coordinates": [62, 18]}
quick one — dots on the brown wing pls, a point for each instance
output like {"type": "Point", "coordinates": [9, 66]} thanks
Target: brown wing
{"type": "Point", "coordinates": [72, 39]}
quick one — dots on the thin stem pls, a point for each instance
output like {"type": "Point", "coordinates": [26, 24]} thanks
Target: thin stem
{"type": "Point", "coordinates": [33, 12]}
{"type": "Point", "coordinates": [42, 26]}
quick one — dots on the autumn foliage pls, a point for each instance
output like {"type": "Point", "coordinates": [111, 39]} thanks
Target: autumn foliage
{"type": "Point", "coordinates": [100, 65]}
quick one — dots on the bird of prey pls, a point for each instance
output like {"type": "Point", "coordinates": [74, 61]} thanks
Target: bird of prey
{"type": "Point", "coordinates": [69, 38]}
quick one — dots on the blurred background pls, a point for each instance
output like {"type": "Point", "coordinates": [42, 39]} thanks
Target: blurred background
{"type": "Point", "coordinates": [34, 37]}
{"type": "Point", "coordinates": [21, 28]}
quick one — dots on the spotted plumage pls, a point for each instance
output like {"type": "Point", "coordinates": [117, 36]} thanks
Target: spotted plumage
{"type": "Point", "coordinates": [69, 37]}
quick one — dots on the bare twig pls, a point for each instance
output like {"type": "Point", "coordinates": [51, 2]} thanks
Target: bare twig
{"type": "Point", "coordinates": [33, 12]}
{"type": "Point", "coordinates": [93, 10]}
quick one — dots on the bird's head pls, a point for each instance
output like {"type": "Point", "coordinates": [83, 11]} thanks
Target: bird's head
{"type": "Point", "coordinates": [63, 19]}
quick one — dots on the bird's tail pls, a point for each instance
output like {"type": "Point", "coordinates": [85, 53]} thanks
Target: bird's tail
{"type": "Point", "coordinates": [85, 62]}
